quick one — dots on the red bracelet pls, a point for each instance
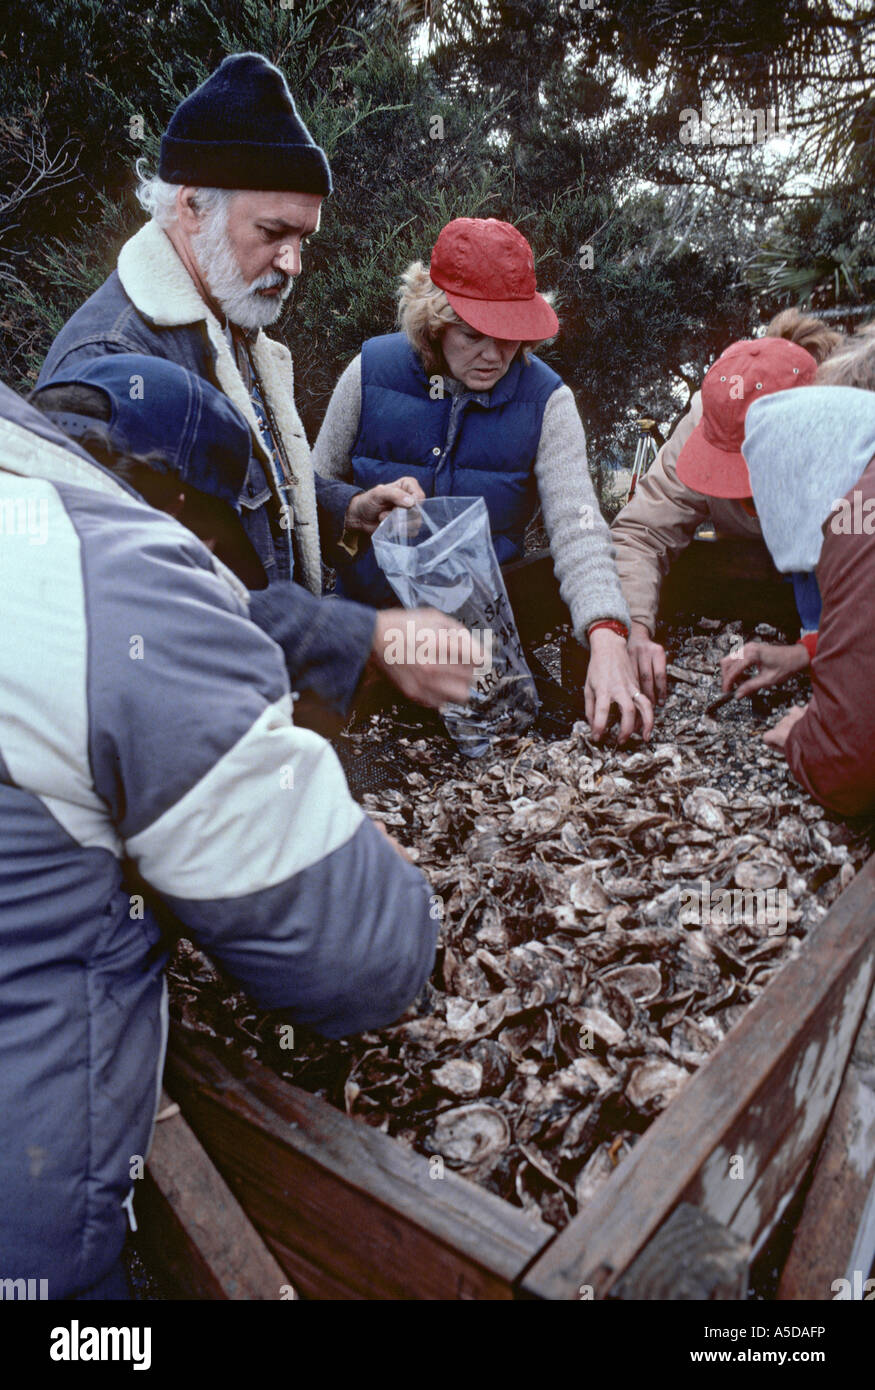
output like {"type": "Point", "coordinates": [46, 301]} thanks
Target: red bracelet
{"type": "Point", "coordinates": [615, 626]}
{"type": "Point", "coordinates": [809, 642]}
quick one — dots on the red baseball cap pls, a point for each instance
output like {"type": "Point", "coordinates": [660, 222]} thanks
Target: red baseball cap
{"type": "Point", "coordinates": [487, 271]}
{"type": "Point", "coordinates": [711, 461]}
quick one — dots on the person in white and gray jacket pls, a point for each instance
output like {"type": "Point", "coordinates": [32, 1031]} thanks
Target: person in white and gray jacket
{"type": "Point", "coordinates": [145, 718]}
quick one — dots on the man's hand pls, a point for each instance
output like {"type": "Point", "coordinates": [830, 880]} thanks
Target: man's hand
{"type": "Point", "coordinates": [611, 679]}
{"type": "Point", "coordinates": [367, 509]}
{"type": "Point", "coordinates": [408, 647]}
{"type": "Point", "coordinates": [777, 737]}
{"type": "Point", "coordinates": [776, 663]}
{"type": "Point", "coordinates": [648, 662]}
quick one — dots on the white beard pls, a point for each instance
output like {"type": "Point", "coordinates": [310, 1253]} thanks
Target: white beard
{"type": "Point", "coordinates": [237, 298]}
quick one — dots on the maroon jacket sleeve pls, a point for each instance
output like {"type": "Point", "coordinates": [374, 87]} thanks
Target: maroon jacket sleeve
{"type": "Point", "coordinates": [831, 751]}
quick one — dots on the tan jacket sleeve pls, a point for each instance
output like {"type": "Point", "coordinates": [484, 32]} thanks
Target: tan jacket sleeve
{"type": "Point", "coordinates": [658, 523]}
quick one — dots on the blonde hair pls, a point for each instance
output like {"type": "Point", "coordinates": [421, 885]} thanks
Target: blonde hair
{"type": "Point", "coordinates": [853, 364]}
{"type": "Point", "coordinates": [425, 314]}
{"type": "Point", "coordinates": [806, 331]}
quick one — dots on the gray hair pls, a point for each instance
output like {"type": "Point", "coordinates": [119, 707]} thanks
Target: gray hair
{"type": "Point", "coordinates": [158, 198]}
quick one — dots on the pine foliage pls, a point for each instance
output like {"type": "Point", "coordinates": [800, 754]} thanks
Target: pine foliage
{"type": "Point", "coordinates": [560, 117]}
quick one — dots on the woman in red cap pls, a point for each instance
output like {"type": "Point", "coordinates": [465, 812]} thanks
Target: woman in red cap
{"type": "Point", "coordinates": [459, 404]}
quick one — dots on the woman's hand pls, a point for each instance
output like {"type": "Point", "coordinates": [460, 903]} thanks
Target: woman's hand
{"type": "Point", "coordinates": [611, 680]}
{"type": "Point", "coordinates": [648, 662]}
{"type": "Point", "coordinates": [776, 663]}
{"type": "Point", "coordinates": [777, 737]}
{"type": "Point", "coordinates": [367, 509]}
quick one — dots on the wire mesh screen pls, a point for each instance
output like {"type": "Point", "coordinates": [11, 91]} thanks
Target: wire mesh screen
{"type": "Point", "coordinates": [374, 764]}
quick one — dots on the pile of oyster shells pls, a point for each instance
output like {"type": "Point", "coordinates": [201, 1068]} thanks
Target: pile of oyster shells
{"type": "Point", "coordinates": [576, 988]}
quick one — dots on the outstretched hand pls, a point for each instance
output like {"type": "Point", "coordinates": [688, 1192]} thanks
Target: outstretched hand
{"type": "Point", "coordinates": [776, 664]}
{"type": "Point", "coordinates": [612, 680]}
{"type": "Point", "coordinates": [368, 509]}
{"type": "Point", "coordinates": [648, 663]}
{"type": "Point", "coordinates": [431, 658]}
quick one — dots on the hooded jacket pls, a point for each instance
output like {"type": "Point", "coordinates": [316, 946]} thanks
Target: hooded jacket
{"type": "Point", "coordinates": [150, 304]}
{"type": "Point", "coordinates": [831, 750]}
{"type": "Point", "coordinates": [811, 457]}
{"type": "Point", "coordinates": [143, 717]}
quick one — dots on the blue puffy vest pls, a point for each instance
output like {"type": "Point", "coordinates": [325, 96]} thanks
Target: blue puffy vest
{"type": "Point", "coordinates": [402, 431]}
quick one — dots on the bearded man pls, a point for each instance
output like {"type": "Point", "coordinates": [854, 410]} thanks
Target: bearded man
{"type": "Point", "coordinates": [239, 188]}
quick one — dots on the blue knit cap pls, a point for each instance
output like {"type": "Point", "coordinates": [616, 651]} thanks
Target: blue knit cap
{"type": "Point", "coordinates": [240, 129]}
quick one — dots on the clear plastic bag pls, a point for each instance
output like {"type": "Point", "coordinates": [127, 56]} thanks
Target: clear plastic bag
{"type": "Point", "coordinates": [439, 554]}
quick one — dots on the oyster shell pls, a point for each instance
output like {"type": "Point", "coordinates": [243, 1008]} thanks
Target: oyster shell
{"type": "Point", "coordinates": [642, 983]}
{"type": "Point", "coordinates": [585, 892]}
{"type": "Point", "coordinates": [600, 1167]}
{"type": "Point", "coordinates": [460, 1077]}
{"type": "Point", "coordinates": [758, 873]}
{"type": "Point", "coordinates": [470, 1137]}
{"type": "Point", "coordinates": [598, 1024]}
{"type": "Point", "coordinates": [653, 1084]}
{"type": "Point", "coordinates": [573, 990]}
{"type": "Point", "coordinates": [704, 806]}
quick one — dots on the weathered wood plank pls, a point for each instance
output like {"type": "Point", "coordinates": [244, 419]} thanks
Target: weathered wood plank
{"type": "Point", "coordinates": [691, 1257]}
{"type": "Point", "coordinates": [835, 1235]}
{"type": "Point", "coordinates": [778, 1135]}
{"type": "Point", "coordinates": [763, 1097]}
{"type": "Point", "coordinates": [348, 1212]}
{"type": "Point", "coordinates": [193, 1229]}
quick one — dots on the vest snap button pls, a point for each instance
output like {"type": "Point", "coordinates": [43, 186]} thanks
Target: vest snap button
{"type": "Point", "coordinates": [435, 450]}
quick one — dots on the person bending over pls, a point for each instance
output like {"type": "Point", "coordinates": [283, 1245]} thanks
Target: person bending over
{"type": "Point", "coordinates": [145, 719]}
{"type": "Point", "coordinates": [662, 518]}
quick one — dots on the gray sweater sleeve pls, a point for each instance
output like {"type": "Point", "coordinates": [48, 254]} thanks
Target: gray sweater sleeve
{"type": "Point", "coordinates": [580, 541]}
{"type": "Point", "coordinates": [332, 452]}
